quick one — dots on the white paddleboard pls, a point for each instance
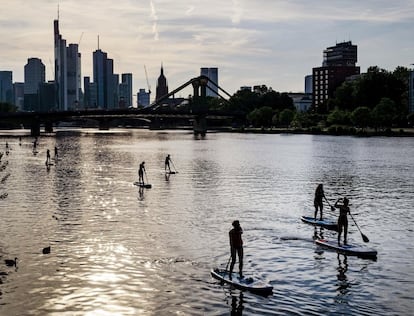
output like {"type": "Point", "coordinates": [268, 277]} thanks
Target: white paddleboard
{"type": "Point", "coordinates": [251, 284]}
{"type": "Point", "coordinates": [349, 249]}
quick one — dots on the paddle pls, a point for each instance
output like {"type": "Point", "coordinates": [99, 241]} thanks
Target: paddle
{"type": "Point", "coordinates": [364, 238]}
{"type": "Point", "coordinates": [332, 208]}
{"type": "Point", "coordinates": [227, 265]}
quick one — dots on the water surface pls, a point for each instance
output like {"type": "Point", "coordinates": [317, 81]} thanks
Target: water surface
{"type": "Point", "coordinates": [118, 250]}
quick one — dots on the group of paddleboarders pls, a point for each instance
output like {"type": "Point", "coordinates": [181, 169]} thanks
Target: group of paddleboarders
{"type": "Point", "coordinates": [343, 211]}
{"type": "Point", "coordinates": [141, 169]}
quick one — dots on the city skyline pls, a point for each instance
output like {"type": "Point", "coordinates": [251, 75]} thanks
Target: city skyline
{"type": "Point", "coordinates": [275, 43]}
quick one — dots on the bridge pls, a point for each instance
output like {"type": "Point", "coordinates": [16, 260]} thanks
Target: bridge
{"type": "Point", "coordinates": [194, 112]}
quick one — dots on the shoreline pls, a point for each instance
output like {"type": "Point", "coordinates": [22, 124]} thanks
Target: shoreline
{"type": "Point", "coordinates": [394, 132]}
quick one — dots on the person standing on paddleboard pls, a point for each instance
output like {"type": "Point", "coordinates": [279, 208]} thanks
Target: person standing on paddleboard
{"type": "Point", "coordinates": [48, 157]}
{"type": "Point", "coordinates": [342, 219]}
{"type": "Point", "coordinates": [236, 246]}
{"type": "Point", "coordinates": [167, 163]}
{"type": "Point", "coordinates": [317, 202]}
{"type": "Point", "coordinates": [141, 171]}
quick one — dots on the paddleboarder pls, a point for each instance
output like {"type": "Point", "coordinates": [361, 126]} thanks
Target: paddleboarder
{"type": "Point", "coordinates": [236, 246]}
{"type": "Point", "coordinates": [56, 153]}
{"type": "Point", "coordinates": [48, 157]}
{"type": "Point", "coordinates": [141, 171]}
{"type": "Point", "coordinates": [342, 219]}
{"type": "Point", "coordinates": [318, 201]}
{"type": "Point", "coordinates": [167, 163]}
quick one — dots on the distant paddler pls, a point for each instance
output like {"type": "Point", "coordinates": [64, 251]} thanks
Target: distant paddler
{"type": "Point", "coordinates": [141, 171]}
{"type": "Point", "coordinates": [167, 163]}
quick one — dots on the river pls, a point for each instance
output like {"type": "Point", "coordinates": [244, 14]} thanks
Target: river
{"type": "Point", "coordinates": [118, 250]}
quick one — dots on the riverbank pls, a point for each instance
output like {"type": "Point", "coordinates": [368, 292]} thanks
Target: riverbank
{"type": "Point", "coordinates": [333, 131]}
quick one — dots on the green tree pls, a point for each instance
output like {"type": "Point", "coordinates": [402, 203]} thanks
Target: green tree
{"type": "Point", "coordinates": [384, 113]}
{"type": "Point", "coordinates": [338, 116]}
{"type": "Point", "coordinates": [261, 117]}
{"type": "Point", "coordinates": [286, 117]}
{"type": "Point", "coordinates": [243, 101]}
{"type": "Point", "coordinates": [361, 117]}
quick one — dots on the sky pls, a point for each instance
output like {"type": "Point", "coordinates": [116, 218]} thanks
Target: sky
{"type": "Point", "coordinates": [252, 42]}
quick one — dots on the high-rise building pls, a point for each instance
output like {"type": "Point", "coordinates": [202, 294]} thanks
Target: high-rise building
{"type": "Point", "coordinates": [89, 96]}
{"type": "Point", "coordinates": [18, 95]}
{"type": "Point", "coordinates": [46, 96]}
{"type": "Point", "coordinates": [338, 64]}
{"type": "Point", "coordinates": [60, 69]}
{"type": "Point", "coordinates": [125, 89]}
{"type": "Point", "coordinates": [308, 84]}
{"type": "Point", "coordinates": [34, 76]}
{"type": "Point", "coordinates": [74, 90]}
{"type": "Point", "coordinates": [162, 85]}
{"type": "Point", "coordinates": [212, 74]}
{"type": "Point", "coordinates": [67, 72]}
{"type": "Point", "coordinates": [411, 92]}
{"type": "Point", "coordinates": [143, 98]}
{"type": "Point", "coordinates": [105, 81]}
{"type": "Point", "coordinates": [6, 86]}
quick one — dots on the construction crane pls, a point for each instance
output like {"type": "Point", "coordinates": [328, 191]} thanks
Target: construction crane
{"type": "Point", "coordinates": [80, 39]}
{"type": "Point", "coordinates": [146, 76]}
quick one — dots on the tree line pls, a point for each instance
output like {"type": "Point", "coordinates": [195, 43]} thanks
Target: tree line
{"type": "Point", "coordinates": [377, 99]}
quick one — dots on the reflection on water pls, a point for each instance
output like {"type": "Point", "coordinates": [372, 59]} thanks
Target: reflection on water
{"type": "Point", "coordinates": [117, 249]}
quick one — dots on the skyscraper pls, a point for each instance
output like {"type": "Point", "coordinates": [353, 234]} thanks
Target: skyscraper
{"type": "Point", "coordinates": [67, 72]}
{"type": "Point", "coordinates": [125, 89]}
{"type": "Point", "coordinates": [411, 91]}
{"type": "Point", "coordinates": [73, 59]}
{"type": "Point", "coordinates": [212, 74]}
{"type": "Point", "coordinates": [6, 86]}
{"type": "Point", "coordinates": [60, 69]}
{"type": "Point", "coordinates": [162, 85]}
{"type": "Point", "coordinates": [34, 76]}
{"type": "Point", "coordinates": [104, 80]}
{"type": "Point", "coordinates": [339, 63]}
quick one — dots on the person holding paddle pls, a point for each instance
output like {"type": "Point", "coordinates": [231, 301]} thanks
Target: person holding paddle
{"type": "Point", "coordinates": [167, 163]}
{"type": "Point", "coordinates": [317, 202]}
{"type": "Point", "coordinates": [141, 171]}
{"type": "Point", "coordinates": [236, 246]}
{"type": "Point", "coordinates": [342, 219]}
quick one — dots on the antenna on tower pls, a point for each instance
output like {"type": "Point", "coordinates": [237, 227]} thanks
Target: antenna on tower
{"type": "Point", "coordinates": [98, 42]}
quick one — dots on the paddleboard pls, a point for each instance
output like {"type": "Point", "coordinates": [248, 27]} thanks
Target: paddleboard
{"type": "Point", "coordinates": [170, 172]}
{"type": "Point", "coordinates": [246, 283]}
{"type": "Point", "coordinates": [350, 249]}
{"type": "Point", "coordinates": [147, 185]}
{"type": "Point", "coordinates": [326, 223]}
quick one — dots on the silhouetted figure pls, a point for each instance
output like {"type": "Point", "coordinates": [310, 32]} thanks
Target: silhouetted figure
{"type": "Point", "coordinates": [56, 153]}
{"type": "Point", "coordinates": [141, 171]}
{"type": "Point", "coordinates": [318, 202]}
{"type": "Point", "coordinates": [342, 219]}
{"type": "Point", "coordinates": [167, 163]}
{"type": "Point", "coordinates": [236, 247]}
{"type": "Point", "coordinates": [48, 157]}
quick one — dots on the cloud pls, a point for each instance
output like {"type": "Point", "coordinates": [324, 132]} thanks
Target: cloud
{"type": "Point", "coordinates": [154, 19]}
{"type": "Point", "coordinates": [276, 40]}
